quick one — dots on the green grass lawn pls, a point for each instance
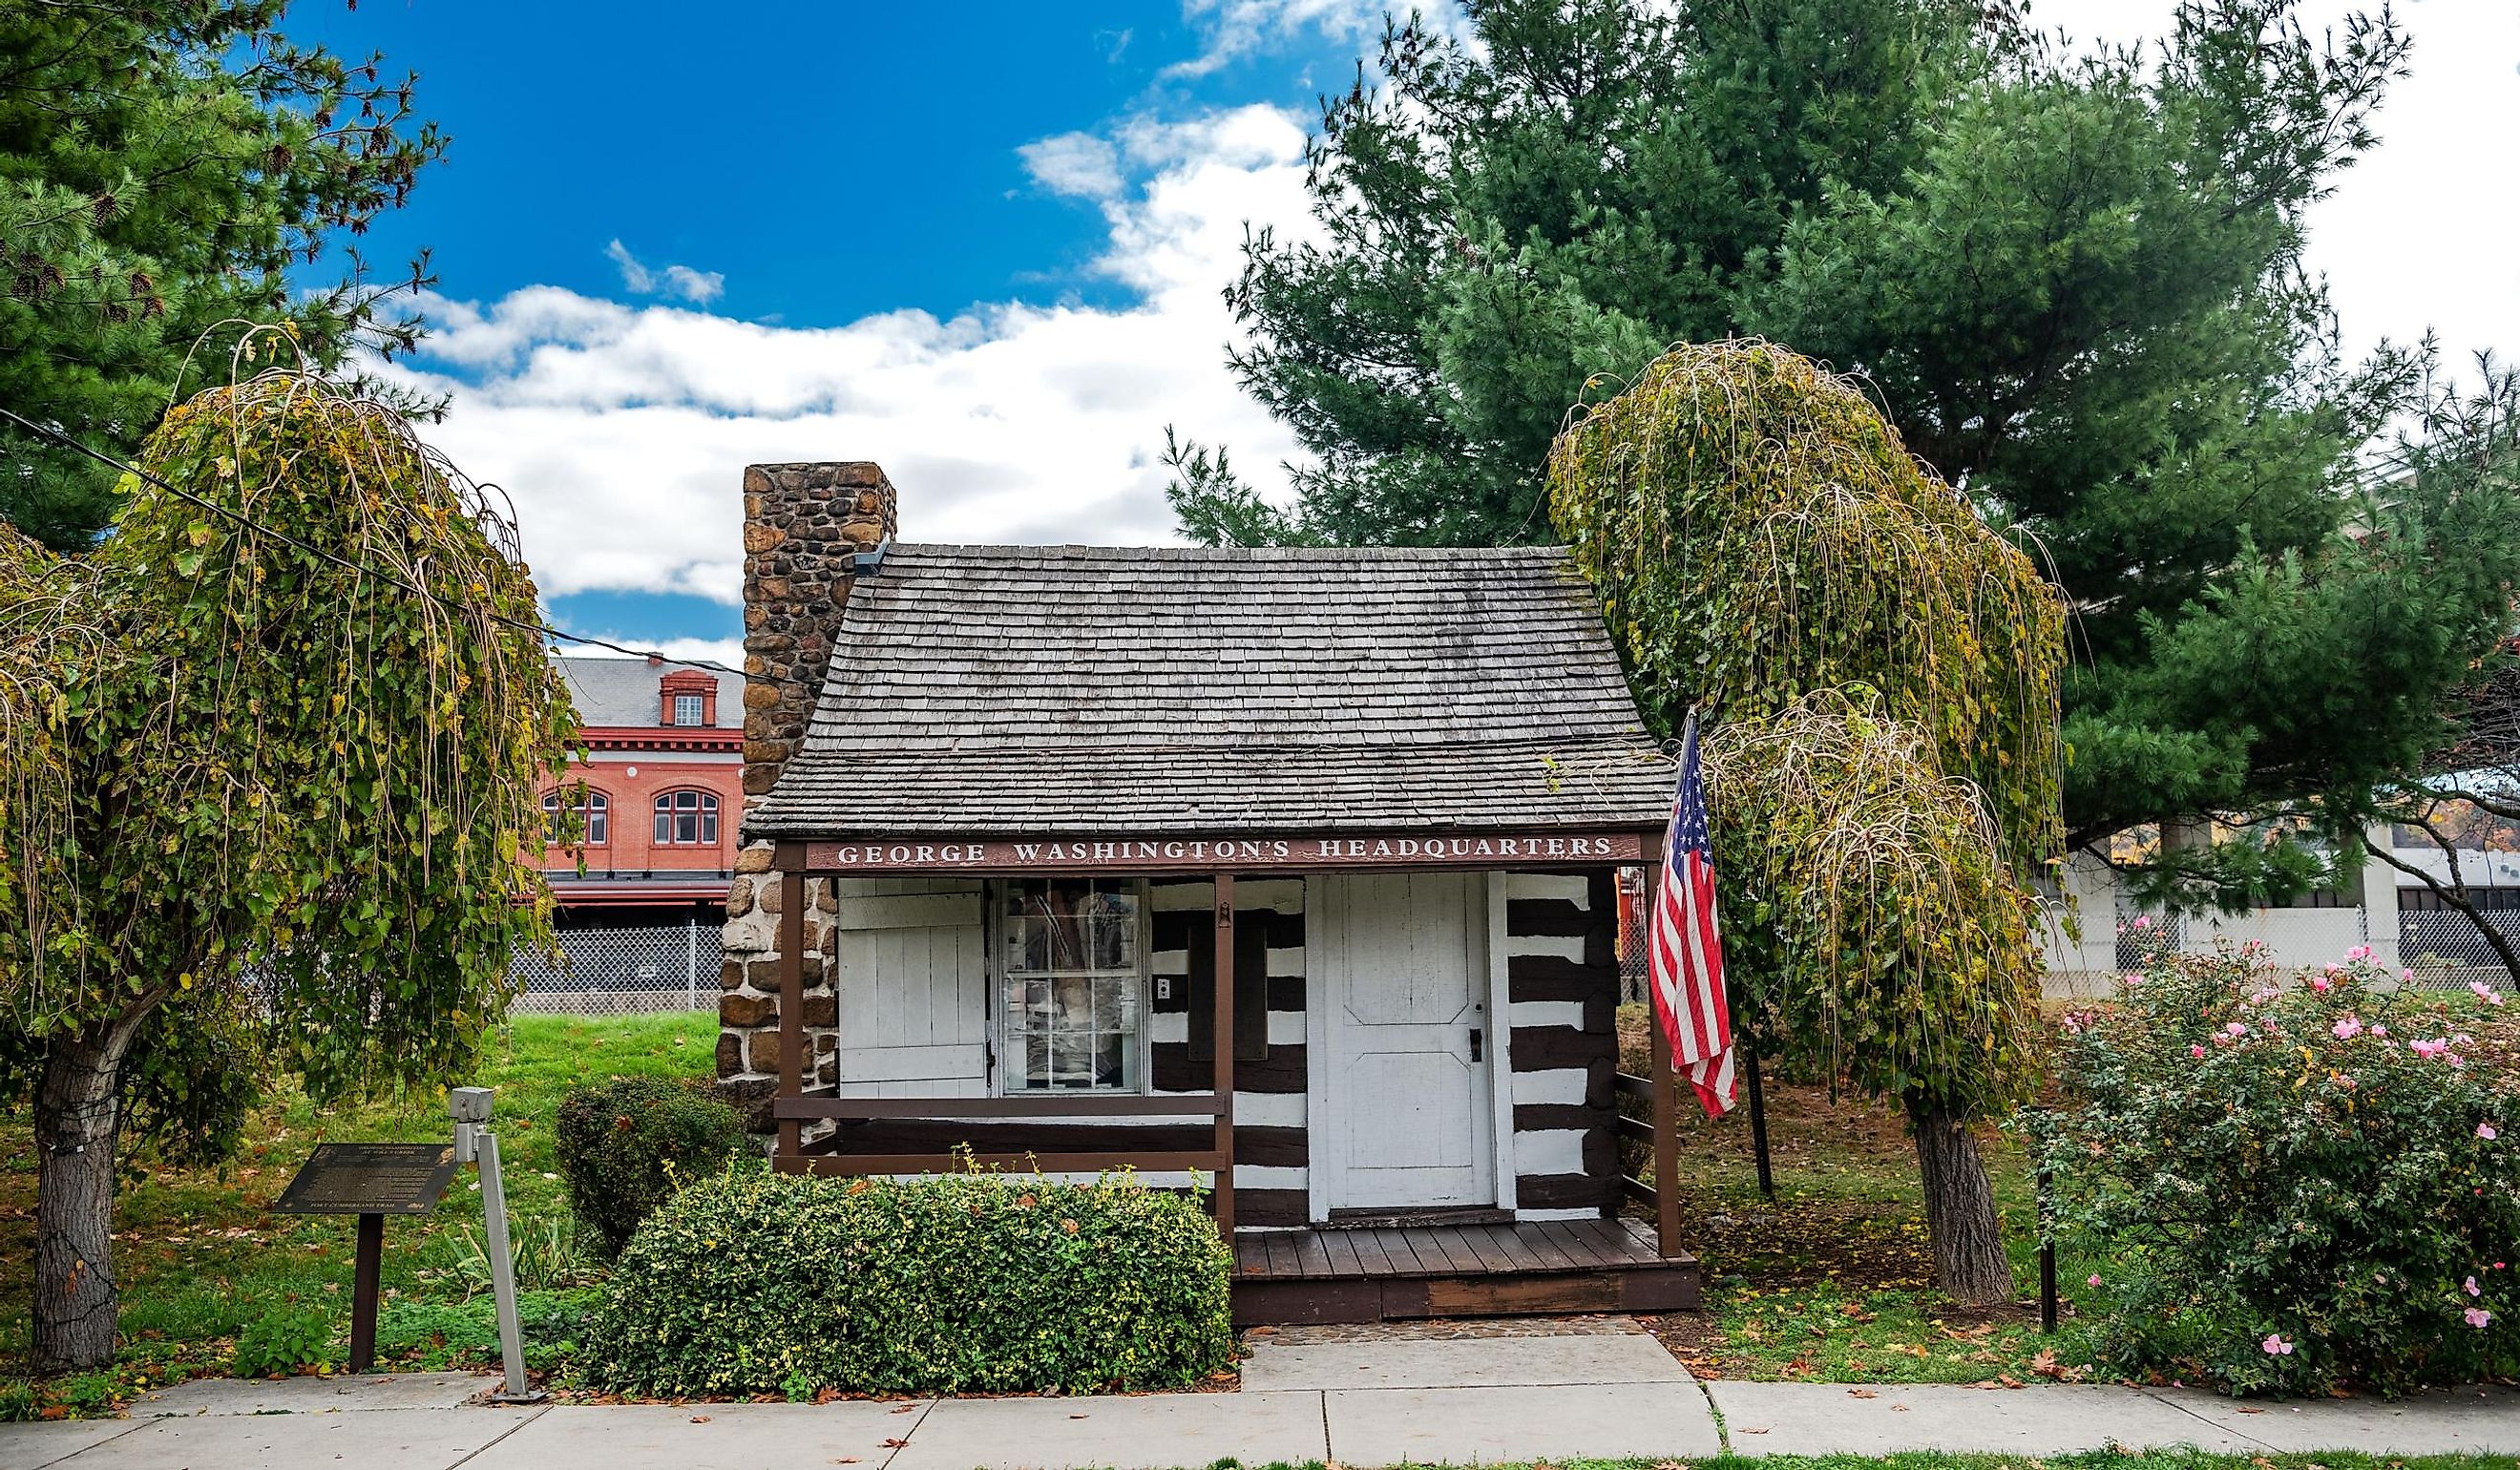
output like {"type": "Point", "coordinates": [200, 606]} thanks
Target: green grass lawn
{"type": "Point", "coordinates": [1834, 1279]}
{"type": "Point", "coordinates": [199, 1256]}
{"type": "Point", "coordinates": [2105, 1459]}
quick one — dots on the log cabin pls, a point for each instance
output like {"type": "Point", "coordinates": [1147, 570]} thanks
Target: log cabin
{"type": "Point", "coordinates": [1286, 872]}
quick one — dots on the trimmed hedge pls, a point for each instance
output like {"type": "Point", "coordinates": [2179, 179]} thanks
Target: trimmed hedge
{"type": "Point", "coordinates": [756, 1282]}
{"type": "Point", "coordinates": [628, 1143]}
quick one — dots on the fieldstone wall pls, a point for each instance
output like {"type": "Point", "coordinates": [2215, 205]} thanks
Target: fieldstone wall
{"type": "Point", "coordinates": [803, 526]}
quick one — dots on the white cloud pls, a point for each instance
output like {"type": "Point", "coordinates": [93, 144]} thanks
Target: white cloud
{"type": "Point", "coordinates": [725, 652]}
{"type": "Point", "coordinates": [621, 430]}
{"type": "Point", "coordinates": [677, 281]}
{"type": "Point", "coordinates": [1235, 28]}
{"type": "Point", "coordinates": [1073, 163]}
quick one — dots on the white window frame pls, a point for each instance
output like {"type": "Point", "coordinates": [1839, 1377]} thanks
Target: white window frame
{"type": "Point", "coordinates": [705, 813]}
{"type": "Point", "coordinates": [1006, 1038]}
{"type": "Point", "coordinates": [691, 704]}
{"type": "Point", "coordinates": [588, 805]}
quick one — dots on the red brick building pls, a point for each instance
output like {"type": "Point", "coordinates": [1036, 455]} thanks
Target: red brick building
{"type": "Point", "coordinates": [662, 795]}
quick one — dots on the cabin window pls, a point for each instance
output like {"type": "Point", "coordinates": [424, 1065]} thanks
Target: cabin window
{"type": "Point", "coordinates": [687, 709]}
{"type": "Point", "coordinates": [1072, 978]}
{"type": "Point", "coordinates": [588, 807]}
{"type": "Point", "coordinates": [686, 818]}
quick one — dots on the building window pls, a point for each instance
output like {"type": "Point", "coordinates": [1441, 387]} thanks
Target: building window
{"type": "Point", "coordinates": [687, 709]}
{"type": "Point", "coordinates": [592, 813]}
{"type": "Point", "coordinates": [1073, 984]}
{"type": "Point", "coordinates": [686, 819]}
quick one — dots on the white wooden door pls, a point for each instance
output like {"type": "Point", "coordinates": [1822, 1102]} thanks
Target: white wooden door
{"type": "Point", "coordinates": [1405, 1075]}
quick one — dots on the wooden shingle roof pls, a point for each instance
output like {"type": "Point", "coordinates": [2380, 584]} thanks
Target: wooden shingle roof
{"type": "Point", "coordinates": [992, 691]}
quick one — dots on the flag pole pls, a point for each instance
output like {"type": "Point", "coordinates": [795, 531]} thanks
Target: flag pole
{"type": "Point", "coordinates": [1759, 1123]}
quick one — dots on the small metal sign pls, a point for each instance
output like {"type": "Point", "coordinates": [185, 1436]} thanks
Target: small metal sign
{"type": "Point", "coordinates": [370, 1178]}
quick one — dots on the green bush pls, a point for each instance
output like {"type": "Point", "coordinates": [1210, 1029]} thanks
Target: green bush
{"type": "Point", "coordinates": [755, 1283]}
{"type": "Point", "coordinates": [628, 1144]}
{"type": "Point", "coordinates": [2303, 1182]}
{"type": "Point", "coordinates": [285, 1340]}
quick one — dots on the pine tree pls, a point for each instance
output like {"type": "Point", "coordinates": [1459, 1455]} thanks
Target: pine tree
{"type": "Point", "coordinates": [167, 171]}
{"type": "Point", "coordinates": [2073, 281]}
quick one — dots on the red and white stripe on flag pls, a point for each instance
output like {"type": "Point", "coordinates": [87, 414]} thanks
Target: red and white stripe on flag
{"type": "Point", "coordinates": [1685, 951]}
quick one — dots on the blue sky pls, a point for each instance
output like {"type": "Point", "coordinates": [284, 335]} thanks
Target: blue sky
{"type": "Point", "coordinates": [826, 162]}
{"type": "Point", "coordinates": [984, 246]}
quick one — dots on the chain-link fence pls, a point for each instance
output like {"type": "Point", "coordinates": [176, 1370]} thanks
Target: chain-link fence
{"type": "Point", "coordinates": [603, 972]}
{"type": "Point", "coordinates": [2445, 950]}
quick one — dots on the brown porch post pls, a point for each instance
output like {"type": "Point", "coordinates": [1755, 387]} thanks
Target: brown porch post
{"type": "Point", "coordinates": [792, 994]}
{"type": "Point", "coordinates": [1666, 1107]}
{"type": "Point", "coordinates": [1223, 1082]}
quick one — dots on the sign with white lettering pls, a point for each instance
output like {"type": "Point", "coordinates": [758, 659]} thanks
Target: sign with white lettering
{"type": "Point", "coordinates": [1268, 854]}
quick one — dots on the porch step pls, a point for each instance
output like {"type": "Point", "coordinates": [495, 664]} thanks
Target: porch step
{"type": "Point", "coordinates": [1375, 1274]}
{"type": "Point", "coordinates": [1404, 1219]}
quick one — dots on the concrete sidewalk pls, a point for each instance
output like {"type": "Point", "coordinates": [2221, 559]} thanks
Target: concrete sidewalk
{"type": "Point", "coordinates": [1361, 1404]}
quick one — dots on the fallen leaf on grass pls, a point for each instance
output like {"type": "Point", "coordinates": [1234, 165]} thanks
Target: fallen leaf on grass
{"type": "Point", "coordinates": [1861, 1394]}
{"type": "Point", "coordinates": [2007, 1380]}
{"type": "Point", "coordinates": [1669, 1465]}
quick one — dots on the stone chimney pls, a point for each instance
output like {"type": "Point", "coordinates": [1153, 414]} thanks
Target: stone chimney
{"type": "Point", "coordinates": [803, 526]}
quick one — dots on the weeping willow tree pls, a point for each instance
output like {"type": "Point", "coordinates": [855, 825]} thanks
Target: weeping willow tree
{"type": "Point", "coordinates": [270, 760]}
{"type": "Point", "coordinates": [1878, 670]}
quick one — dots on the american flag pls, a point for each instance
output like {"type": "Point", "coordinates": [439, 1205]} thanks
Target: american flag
{"type": "Point", "coordinates": [1684, 954]}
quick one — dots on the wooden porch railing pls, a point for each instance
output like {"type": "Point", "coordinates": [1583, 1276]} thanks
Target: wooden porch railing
{"type": "Point", "coordinates": [1184, 1105]}
{"type": "Point", "coordinates": [1662, 1136]}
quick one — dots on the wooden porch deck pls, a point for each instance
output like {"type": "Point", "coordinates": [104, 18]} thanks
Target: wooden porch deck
{"type": "Point", "coordinates": [1363, 1275]}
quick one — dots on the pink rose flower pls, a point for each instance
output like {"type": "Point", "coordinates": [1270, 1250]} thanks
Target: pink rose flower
{"type": "Point", "coordinates": [2359, 952]}
{"type": "Point", "coordinates": [2485, 1131]}
{"type": "Point", "coordinates": [2197, 1052]}
{"type": "Point", "coordinates": [2349, 1028]}
{"type": "Point", "coordinates": [2477, 1317]}
{"type": "Point", "coordinates": [2473, 1289]}
{"type": "Point", "coordinates": [2277, 1347]}
{"type": "Point", "coordinates": [2095, 1278]}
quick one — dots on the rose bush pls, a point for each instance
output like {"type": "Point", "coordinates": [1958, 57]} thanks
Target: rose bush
{"type": "Point", "coordinates": [2306, 1179]}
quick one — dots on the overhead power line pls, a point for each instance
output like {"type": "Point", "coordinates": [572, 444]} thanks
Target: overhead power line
{"type": "Point", "coordinates": [544, 630]}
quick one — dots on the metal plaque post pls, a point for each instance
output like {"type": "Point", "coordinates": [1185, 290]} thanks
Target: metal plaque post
{"type": "Point", "coordinates": [474, 1143]}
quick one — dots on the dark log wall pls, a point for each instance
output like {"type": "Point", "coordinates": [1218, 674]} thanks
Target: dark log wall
{"type": "Point", "coordinates": [1272, 1151]}
{"type": "Point", "coordinates": [1562, 980]}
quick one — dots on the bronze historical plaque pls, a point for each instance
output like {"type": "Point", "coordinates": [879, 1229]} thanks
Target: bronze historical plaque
{"type": "Point", "coordinates": [370, 1178]}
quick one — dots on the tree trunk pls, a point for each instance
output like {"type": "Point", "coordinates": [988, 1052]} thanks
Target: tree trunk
{"type": "Point", "coordinates": [78, 1115]}
{"type": "Point", "coordinates": [1969, 1263]}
